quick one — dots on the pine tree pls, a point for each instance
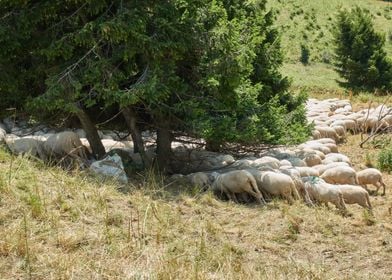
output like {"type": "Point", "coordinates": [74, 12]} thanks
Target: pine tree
{"type": "Point", "coordinates": [202, 68]}
{"type": "Point", "coordinates": [360, 56]}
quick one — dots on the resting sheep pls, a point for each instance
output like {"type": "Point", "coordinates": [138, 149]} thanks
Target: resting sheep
{"type": "Point", "coordinates": [340, 175]}
{"type": "Point", "coordinates": [371, 176]}
{"type": "Point", "coordinates": [26, 145]}
{"type": "Point", "coordinates": [65, 144]}
{"type": "Point", "coordinates": [237, 181]}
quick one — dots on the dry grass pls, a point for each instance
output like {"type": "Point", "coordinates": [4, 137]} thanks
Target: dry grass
{"type": "Point", "coordinates": [56, 225]}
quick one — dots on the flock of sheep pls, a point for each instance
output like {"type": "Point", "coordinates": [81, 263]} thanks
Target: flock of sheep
{"type": "Point", "coordinates": [314, 171]}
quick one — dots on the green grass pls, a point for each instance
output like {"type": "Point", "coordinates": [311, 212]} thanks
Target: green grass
{"type": "Point", "coordinates": [310, 23]}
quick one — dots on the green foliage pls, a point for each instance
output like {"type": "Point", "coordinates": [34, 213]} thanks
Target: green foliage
{"type": "Point", "coordinates": [206, 68]}
{"type": "Point", "coordinates": [385, 159]}
{"type": "Point", "coordinates": [305, 54]}
{"type": "Point", "coordinates": [361, 58]}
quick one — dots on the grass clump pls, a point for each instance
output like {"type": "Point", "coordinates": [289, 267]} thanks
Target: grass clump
{"type": "Point", "coordinates": [385, 159]}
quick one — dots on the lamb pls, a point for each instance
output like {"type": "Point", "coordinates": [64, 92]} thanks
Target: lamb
{"type": "Point", "coordinates": [340, 175]}
{"type": "Point", "coordinates": [279, 184]}
{"type": "Point", "coordinates": [237, 181]}
{"type": "Point", "coordinates": [66, 143]}
{"type": "Point", "coordinates": [371, 176]}
{"type": "Point", "coordinates": [355, 195]}
{"type": "Point", "coordinates": [322, 192]}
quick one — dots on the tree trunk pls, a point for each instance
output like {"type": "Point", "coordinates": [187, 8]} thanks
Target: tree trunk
{"type": "Point", "coordinates": [91, 134]}
{"type": "Point", "coordinates": [138, 144]}
{"type": "Point", "coordinates": [164, 151]}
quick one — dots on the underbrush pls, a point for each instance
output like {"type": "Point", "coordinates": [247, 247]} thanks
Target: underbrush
{"type": "Point", "coordinates": [71, 225]}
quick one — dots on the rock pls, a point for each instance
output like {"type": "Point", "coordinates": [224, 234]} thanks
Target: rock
{"type": "Point", "coordinates": [110, 166]}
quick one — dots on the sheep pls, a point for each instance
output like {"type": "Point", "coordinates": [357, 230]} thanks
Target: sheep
{"type": "Point", "coordinates": [32, 145]}
{"type": "Point", "coordinates": [340, 130]}
{"type": "Point", "coordinates": [355, 195]}
{"type": "Point", "coordinates": [328, 132]}
{"type": "Point", "coordinates": [316, 134]}
{"type": "Point", "coordinates": [312, 159]}
{"type": "Point", "coordinates": [307, 171]}
{"type": "Point", "coordinates": [279, 184]}
{"type": "Point", "coordinates": [340, 175]}
{"type": "Point", "coordinates": [322, 192]}
{"type": "Point", "coordinates": [371, 176]}
{"type": "Point", "coordinates": [285, 162]}
{"type": "Point", "coordinates": [335, 157]}
{"type": "Point", "coordinates": [266, 161]}
{"type": "Point", "coordinates": [296, 161]}
{"type": "Point", "coordinates": [315, 146]}
{"type": "Point", "coordinates": [321, 168]}
{"type": "Point", "coordinates": [296, 177]}
{"type": "Point", "coordinates": [237, 181]}
{"type": "Point", "coordinates": [66, 143]}
{"type": "Point", "coordinates": [332, 147]}
{"type": "Point", "coordinates": [199, 179]}
{"type": "Point", "coordinates": [2, 134]}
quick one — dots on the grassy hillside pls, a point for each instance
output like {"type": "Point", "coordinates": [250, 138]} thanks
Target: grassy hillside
{"type": "Point", "coordinates": [309, 23]}
{"type": "Point", "coordinates": [58, 225]}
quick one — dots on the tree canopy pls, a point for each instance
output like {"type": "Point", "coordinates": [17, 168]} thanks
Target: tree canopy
{"type": "Point", "coordinates": [203, 68]}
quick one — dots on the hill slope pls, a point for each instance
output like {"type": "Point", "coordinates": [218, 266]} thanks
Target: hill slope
{"type": "Point", "coordinates": [310, 23]}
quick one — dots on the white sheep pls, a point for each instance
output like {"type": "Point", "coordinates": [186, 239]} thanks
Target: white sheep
{"type": "Point", "coordinates": [279, 184]}
{"type": "Point", "coordinates": [307, 171]}
{"type": "Point", "coordinates": [237, 181]}
{"type": "Point", "coordinates": [335, 157]}
{"type": "Point", "coordinates": [340, 175]}
{"type": "Point", "coordinates": [199, 179]}
{"type": "Point", "coordinates": [321, 168]}
{"type": "Point", "coordinates": [355, 195]}
{"type": "Point", "coordinates": [32, 145]}
{"type": "Point", "coordinates": [328, 132]}
{"type": "Point", "coordinates": [322, 192]}
{"type": "Point", "coordinates": [2, 134]}
{"type": "Point", "coordinates": [64, 144]}
{"type": "Point", "coordinates": [371, 176]}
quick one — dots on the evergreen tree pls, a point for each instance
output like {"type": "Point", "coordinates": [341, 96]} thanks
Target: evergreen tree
{"type": "Point", "coordinates": [203, 68]}
{"type": "Point", "coordinates": [361, 58]}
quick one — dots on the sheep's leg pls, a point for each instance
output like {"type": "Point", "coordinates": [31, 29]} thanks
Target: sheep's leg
{"type": "Point", "coordinates": [365, 187]}
{"type": "Point", "coordinates": [257, 196]}
{"type": "Point", "coordinates": [231, 196]}
{"type": "Point", "coordinates": [383, 186]}
{"type": "Point", "coordinates": [289, 198]}
{"type": "Point", "coordinates": [378, 186]}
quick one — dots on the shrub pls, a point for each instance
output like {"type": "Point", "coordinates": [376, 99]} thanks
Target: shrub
{"type": "Point", "coordinates": [385, 159]}
{"type": "Point", "coordinates": [305, 54]}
